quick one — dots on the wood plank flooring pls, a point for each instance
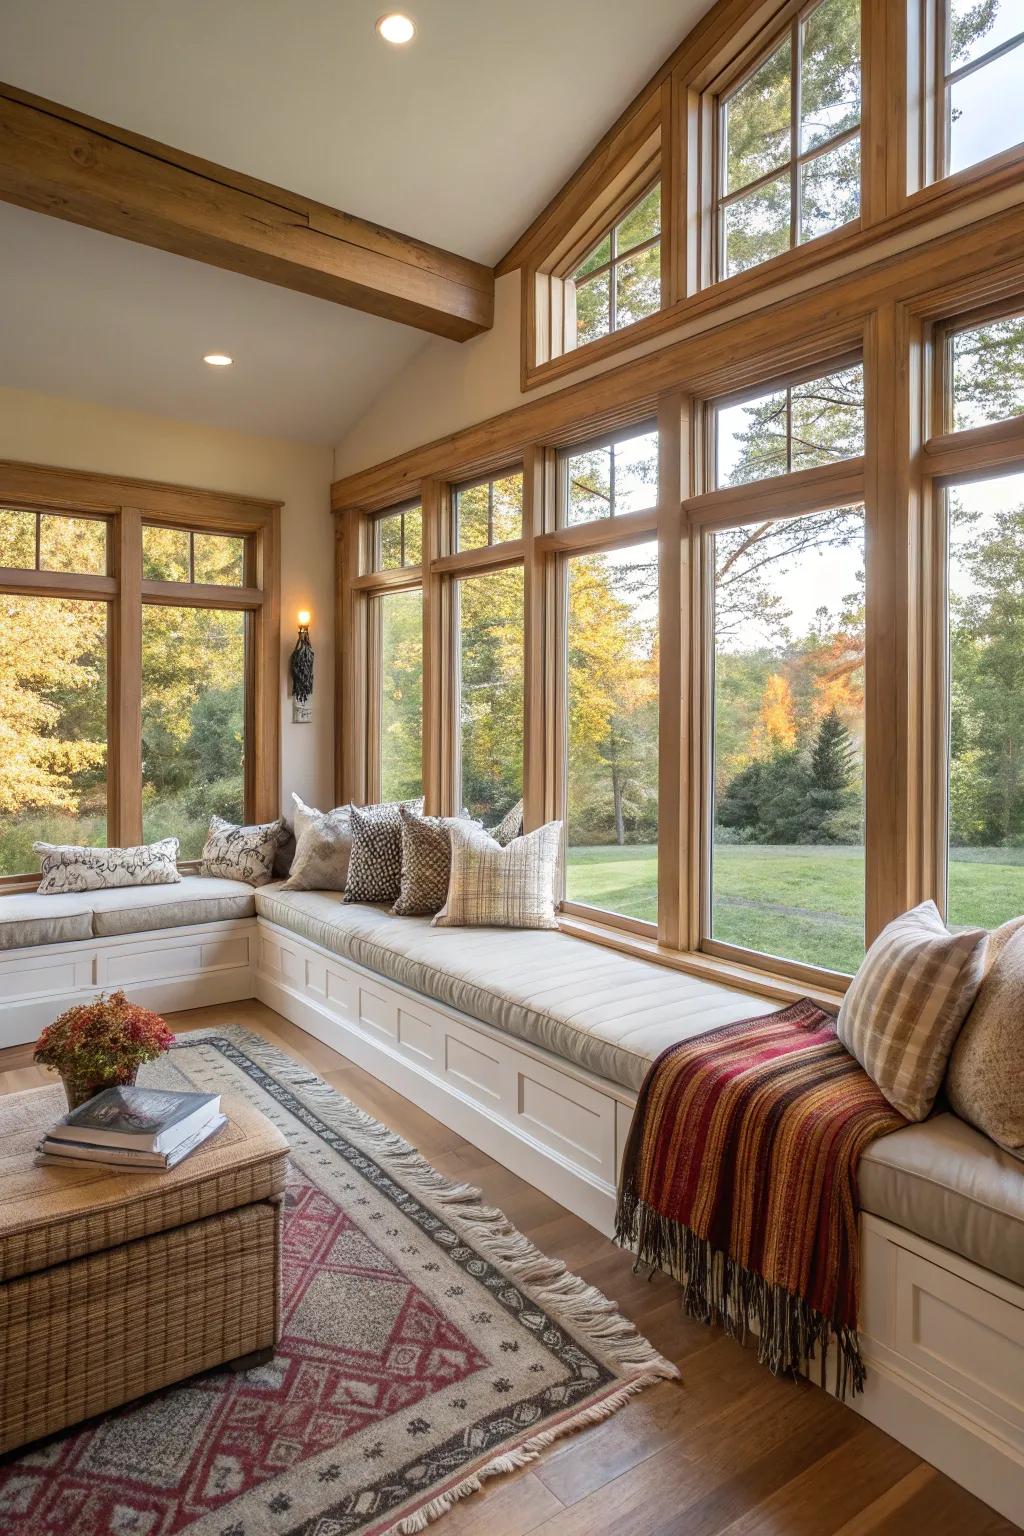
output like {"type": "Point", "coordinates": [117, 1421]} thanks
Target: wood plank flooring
{"type": "Point", "coordinates": [730, 1450]}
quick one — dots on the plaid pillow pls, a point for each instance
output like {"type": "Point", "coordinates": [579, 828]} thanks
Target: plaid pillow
{"type": "Point", "coordinates": [495, 887]}
{"type": "Point", "coordinates": [906, 1004]}
{"type": "Point", "coordinates": [375, 857]}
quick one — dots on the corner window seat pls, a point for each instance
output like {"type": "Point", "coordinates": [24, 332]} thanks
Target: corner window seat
{"type": "Point", "coordinates": [28, 919]}
{"type": "Point", "coordinates": [597, 1008]}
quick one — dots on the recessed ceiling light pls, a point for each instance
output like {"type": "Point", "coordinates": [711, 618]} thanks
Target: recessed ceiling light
{"type": "Point", "coordinates": [396, 28]}
{"type": "Point", "coordinates": [218, 360]}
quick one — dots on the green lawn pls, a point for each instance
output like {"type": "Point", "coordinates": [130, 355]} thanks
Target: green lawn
{"type": "Point", "coordinates": [805, 903]}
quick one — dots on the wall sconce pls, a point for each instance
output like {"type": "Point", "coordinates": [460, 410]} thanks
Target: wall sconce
{"type": "Point", "coordinates": [302, 674]}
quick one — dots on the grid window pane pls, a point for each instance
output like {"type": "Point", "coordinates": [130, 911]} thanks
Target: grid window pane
{"type": "Point", "coordinates": [975, 29]}
{"type": "Point", "coordinates": [612, 764]}
{"type": "Point", "coordinates": [757, 122]}
{"type": "Point", "coordinates": [17, 538]}
{"type": "Point", "coordinates": [53, 726]}
{"type": "Point", "coordinates": [72, 544]}
{"type": "Point", "coordinates": [193, 722]}
{"type": "Point", "coordinates": [984, 115]}
{"type": "Point", "coordinates": [986, 704]}
{"type": "Point", "coordinates": [987, 367]}
{"type": "Point", "coordinates": [610, 479]}
{"type": "Point", "coordinates": [599, 257]}
{"type": "Point", "coordinates": [829, 72]}
{"type": "Point", "coordinates": [820, 421]}
{"type": "Point", "coordinates": [491, 640]}
{"type": "Point", "coordinates": [757, 227]}
{"type": "Point", "coordinates": [830, 190]}
{"type": "Point", "coordinates": [593, 308]}
{"type": "Point", "coordinates": [490, 512]}
{"type": "Point", "coordinates": [787, 875]}
{"type": "Point", "coordinates": [165, 554]}
{"type": "Point", "coordinates": [413, 536]}
{"type": "Point", "coordinates": [638, 286]}
{"type": "Point", "coordinates": [642, 223]}
{"type": "Point", "coordinates": [472, 509]}
{"type": "Point", "coordinates": [507, 509]}
{"type": "Point", "coordinates": [400, 615]}
{"type": "Point", "coordinates": [219, 559]}
{"type": "Point", "coordinates": [389, 542]}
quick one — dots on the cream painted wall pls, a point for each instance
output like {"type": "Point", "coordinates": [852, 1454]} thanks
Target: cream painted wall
{"type": "Point", "coordinates": [73, 434]}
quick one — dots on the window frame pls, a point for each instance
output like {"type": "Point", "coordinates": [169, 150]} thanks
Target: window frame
{"type": "Point", "coordinates": [586, 445]}
{"type": "Point", "coordinates": [126, 504]}
{"type": "Point", "coordinates": [938, 25]}
{"type": "Point", "coordinates": [401, 511]}
{"type": "Point", "coordinates": [489, 550]}
{"type": "Point", "coordinates": [721, 93]}
{"type": "Point", "coordinates": [572, 286]}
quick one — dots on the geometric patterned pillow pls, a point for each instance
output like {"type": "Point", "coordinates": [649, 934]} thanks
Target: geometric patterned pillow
{"type": "Point", "coordinates": [241, 853]}
{"type": "Point", "coordinates": [907, 1003]}
{"type": "Point", "coordinates": [495, 887]}
{"type": "Point", "coordinates": [426, 863]}
{"type": "Point", "coordinates": [375, 858]}
{"type": "Point", "coordinates": [510, 825]}
{"type": "Point", "coordinates": [67, 867]}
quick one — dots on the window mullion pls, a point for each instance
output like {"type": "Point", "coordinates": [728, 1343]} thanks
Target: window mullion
{"type": "Point", "coordinates": [124, 692]}
{"type": "Point", "coordinates": [794, 134]}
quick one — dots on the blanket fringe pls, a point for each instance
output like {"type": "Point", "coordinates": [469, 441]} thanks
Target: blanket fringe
{"type": "Point", "coordinates": [717, 1290]}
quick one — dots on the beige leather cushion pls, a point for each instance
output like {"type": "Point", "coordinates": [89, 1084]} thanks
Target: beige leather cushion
{"type": "Point", "coordinates": [952, 1186]}
{"type": "Point", "coordinates": [49, 1215]}
{"type": "Point", "coordinates": [604, 1011]}
{"type": "Point", "coordinates": [33, 919]}
{"type": "Point", "coordinates": [198, 899]}
{"type": "Point", "coordinates": [985, 1082]}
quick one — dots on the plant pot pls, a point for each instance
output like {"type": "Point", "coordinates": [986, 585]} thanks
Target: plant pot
{"type": "Point", "coordinates": [79, 1091]}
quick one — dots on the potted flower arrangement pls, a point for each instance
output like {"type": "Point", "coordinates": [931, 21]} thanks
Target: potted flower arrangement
{"type": "Point", "coordinates": [101, 1044]}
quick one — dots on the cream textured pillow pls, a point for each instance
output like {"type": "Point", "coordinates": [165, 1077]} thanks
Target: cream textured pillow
{"type": "Point", "coordinates": [322, 847]}
{"type": "Point", "coordinates": [510, 825]}
{"type": "Point", "coordinates": [495, 887]}
{"type": "Point", "coordinates": [241, 853]}
{"type": "Point", "coordinates": [985, 1082]}
{"type": "Point", "coordinates": [907, 1003]}
{"type": "Point", "coordinates": [66, 867]}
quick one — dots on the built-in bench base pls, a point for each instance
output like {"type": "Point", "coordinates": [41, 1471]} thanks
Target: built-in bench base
{"type": "Point", "coordinates": [168, 969]}
{"type": "Point", "coordinates": [943, 1338]}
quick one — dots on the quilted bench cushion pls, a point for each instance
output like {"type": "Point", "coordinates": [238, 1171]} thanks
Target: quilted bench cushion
{"type": "Point", "coordinates": [29, 919]}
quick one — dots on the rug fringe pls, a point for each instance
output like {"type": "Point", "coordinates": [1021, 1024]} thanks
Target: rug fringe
{"type": "Point", "coordinates": [522, 1456]}
{"type": "Point", "coordinates": [548, 1281]}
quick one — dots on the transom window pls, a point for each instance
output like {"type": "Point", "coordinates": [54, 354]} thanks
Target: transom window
{"type": "Point", "coordinates": [489, 511]}
{"type": "Point", "coordinates": [619, 281]}
{"type": "Point", "coordinates": [986, 371]}
{"type": "Point", "coordinates": [815, 422]}
{"type": "Point", "coordinates": [53, 541]}
{"type": "Point", "coordinates": [609, 477]}
{"type": "Point", "coordinates": [789, 141]}
{"type": "Point", "coordinates": [981, 71]}
{"type": "Point", "coordinates": [397, 538]}
{"type": "Point", "coordinates": [180, 554]}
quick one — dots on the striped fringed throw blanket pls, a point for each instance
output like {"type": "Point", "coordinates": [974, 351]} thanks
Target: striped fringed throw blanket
{"type": "Point", "coordinates": [740, 1178]}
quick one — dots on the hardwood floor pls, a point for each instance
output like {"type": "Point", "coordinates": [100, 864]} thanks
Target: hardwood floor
{"type": "Point", "coordinates": [730, 1450]}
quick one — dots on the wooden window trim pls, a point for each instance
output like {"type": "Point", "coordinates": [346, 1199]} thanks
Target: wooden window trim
{"type": "Point", "coordinates": [127, 504]}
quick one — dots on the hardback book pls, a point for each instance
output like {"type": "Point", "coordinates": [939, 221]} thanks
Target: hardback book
{"type": "Point", "coordinates": [53, 1153]}
{"type": "Point", "coordinates": [138, 1119]}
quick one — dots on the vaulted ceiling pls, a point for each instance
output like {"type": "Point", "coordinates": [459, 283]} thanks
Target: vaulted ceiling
{"type": "Point", "coordinates": [459, 140]}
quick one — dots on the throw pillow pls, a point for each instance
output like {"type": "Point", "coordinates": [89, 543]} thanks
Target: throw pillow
{"type": "Point", "coordinates": [985, 1082]}
{"type": "Point", "coordinates": [907, 1003]}
{"type": "Point", "coordinates": [495, 887]}
{"type": "Point", "coordinates": [426, 863]}
{"type": "Point", "coordinates": [67, 867]}
{"type": "Point", "coordinates": [241, 853]}
{"type": "Point", "coordinates": [321, 850]}
{"type": "Point", "coordinates": [375, 858]}
{"type": "Point", "coordinates": [510, 825]}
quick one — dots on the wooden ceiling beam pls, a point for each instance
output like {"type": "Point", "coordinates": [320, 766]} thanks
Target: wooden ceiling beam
{"type": "Point", "coordinates": [57, 161]}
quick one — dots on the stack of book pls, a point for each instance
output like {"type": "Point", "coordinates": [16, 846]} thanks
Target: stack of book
{"type": "Point", "coordinates": [144, 1129]}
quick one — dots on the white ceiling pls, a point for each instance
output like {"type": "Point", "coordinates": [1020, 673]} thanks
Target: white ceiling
{"type": "Point", "coordinates": [459, 139]}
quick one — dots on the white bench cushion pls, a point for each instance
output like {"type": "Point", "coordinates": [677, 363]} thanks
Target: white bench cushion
{"type": "Point", "coordinates": [952, 1186]}
{"type": "Point", "coordinates": [197, 899]}
{"type": "Point", "coordinates": [596, 1007]}
{"type": "Point", "coordinates": [28, 918]}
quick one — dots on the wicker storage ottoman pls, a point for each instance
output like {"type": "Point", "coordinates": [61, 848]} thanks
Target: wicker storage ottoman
{"type": "Point", "coordinates": [114, 1284]}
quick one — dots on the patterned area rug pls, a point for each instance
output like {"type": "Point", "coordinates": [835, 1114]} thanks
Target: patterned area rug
{"type": "Point", "coordinates": [426, 1345]}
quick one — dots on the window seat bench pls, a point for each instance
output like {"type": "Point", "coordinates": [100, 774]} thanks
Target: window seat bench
{"type": "Point", "coordinates": [533, 1045]}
